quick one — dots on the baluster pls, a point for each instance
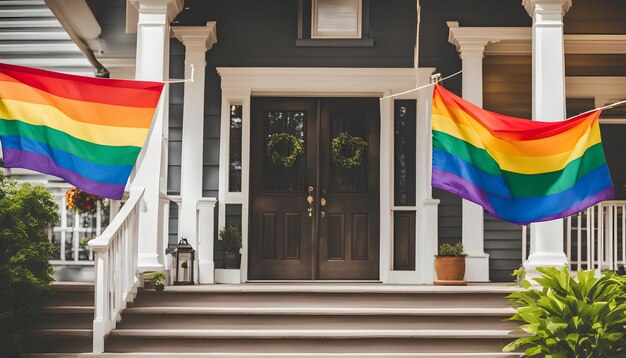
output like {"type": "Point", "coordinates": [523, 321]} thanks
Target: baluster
{"type": "Point", "coordinates": [590, 245]}
{"type": "Point", "coordinates": [569, 242]}
{"type": "Point", "coordinates": [578, 241]}
{"type": "Point", "coordinates": [623, 235]}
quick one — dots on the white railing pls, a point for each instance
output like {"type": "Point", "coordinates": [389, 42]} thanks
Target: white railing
{"type": "Point", "coordinates": [115, 268]}
{"type": "Point", "coordinates": [595, 238]}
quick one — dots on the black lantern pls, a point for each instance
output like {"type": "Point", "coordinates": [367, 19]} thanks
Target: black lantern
{"type": "Point", "coordinates": [185, 255]}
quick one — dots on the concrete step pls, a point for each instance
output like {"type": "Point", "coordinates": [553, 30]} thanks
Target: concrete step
{"type": "Point", "coordinates": [66, 321]}
{"type": "Point", "coordinates": [168, 298]}
{"type": "Point", "coordinates": [308, 341]}
{"type": "Point", "coordinates": [290, 354]}
{"type": "Point", "coordinates": [314, 317]}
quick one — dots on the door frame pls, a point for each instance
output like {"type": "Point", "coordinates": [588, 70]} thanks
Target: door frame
{"type": "Point", "coordinates": [239, 84]}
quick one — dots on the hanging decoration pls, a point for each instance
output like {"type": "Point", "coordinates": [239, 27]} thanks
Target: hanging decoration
{"type": "Point", "coordinates": [81, 201]}
{"type": "Point", "coordinates": [294, 145]}
{"type": "Point", "coordinates": [343, 143]}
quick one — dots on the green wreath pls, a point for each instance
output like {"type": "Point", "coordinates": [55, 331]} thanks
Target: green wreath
{"type": "Point", "coordinates": [356, 145]}
{"type": "Point", "coordinates": [288, 160]}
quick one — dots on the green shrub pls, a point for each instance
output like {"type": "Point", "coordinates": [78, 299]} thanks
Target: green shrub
{"type": "Point", "coordinates": [572, 317]}
{"type": "Point", "coordinates": [231, 239]}
{"type": "Point", "coordinates": [25, 272]}
{"type": "Point", "coordinates": [450, 250]}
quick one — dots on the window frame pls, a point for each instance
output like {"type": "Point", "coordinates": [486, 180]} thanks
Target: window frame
{"type": "Point", "coordinates": [315, 34]}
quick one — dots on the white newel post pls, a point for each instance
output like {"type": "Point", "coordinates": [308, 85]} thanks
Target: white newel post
{"type": "Point", "coordinates": [206, 229]}
{"type": "Point", "coordinates": [197, 40]}
{"type": "Point", "coordinates": [153, 38]}
{"type": "Point", "coordinates": [471, 49]}
{"type": "Point", "coordinates": [546, 239]}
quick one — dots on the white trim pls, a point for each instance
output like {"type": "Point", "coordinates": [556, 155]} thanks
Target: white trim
{"type": "Point", "coordinates": [518, 41]}
{"type": "Point", "coordinates": [239, 84]}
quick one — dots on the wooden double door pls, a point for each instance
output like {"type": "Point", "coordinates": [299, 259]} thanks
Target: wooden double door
{"type": "Point", "coordinates": [316, 217]}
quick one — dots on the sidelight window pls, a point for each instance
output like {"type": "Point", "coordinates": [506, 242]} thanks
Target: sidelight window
{"type": "Point", "coordinates": [234, 157]}
{"type": "Point", "coordinates": [404, 184]}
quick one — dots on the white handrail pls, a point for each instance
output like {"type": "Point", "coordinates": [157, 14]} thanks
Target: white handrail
{"type": "Point", "coordinates": [115, 268]}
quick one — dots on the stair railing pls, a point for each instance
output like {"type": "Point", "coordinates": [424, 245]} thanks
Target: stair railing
{"type": "Point", "coordinates": [116, 279]}
{"type": "Point", "coordinates": [595, 238]}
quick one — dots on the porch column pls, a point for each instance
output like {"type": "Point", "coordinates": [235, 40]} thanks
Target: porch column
{"type": "Point", "coordinates": [426, 238]}
{"type": "Point", "coordinates": [546, 239]}
{"type": "Point", "coordinates": [197, 40]}
{"type": "Point", "coordinates": [151, 171]}
{"type": "Point", "coordinates": [471, 49]}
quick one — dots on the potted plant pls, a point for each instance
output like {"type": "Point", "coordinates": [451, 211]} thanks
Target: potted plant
{"type": "Point", "coordinates": [231, 241]}
{"type": "Point", "coordinates": [450, 265]}
{"type": "Point", "coordinates": [158, 281]}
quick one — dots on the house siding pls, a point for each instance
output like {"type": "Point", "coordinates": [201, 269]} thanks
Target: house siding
{"type": "Point", "coordinates": [263, 34]}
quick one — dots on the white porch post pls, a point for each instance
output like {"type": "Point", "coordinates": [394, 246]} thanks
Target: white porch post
{"type": "Point", "coordinates": [546, 239]}
{"type": "Point", "coordinates": [471, 49]}
{"type": "Point", "coordinates": [426, 231]}
{"type": "Point", "coordinates": [197, 40]}
{"type": "Point", "coordinates": [153, 64]}
{"type": "Point", "coordinates": [206, 227]}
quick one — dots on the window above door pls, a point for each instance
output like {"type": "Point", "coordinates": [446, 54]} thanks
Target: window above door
{"type": "Point", "coordinates": [336, 19]}
{"type": "Point", "coordinates": [333, 23]}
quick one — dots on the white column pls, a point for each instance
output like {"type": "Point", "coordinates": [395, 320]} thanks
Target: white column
{"type": "Point", "coordinates": [426, 237]}
{"type": "Point", "coordinates": [206, 227]}
{"type": "Point", "coordinates": [197, 40]}
{"type": "Point", "coordinates": [151, 171]}
{"type": "Point", "coordinates": [471, 50]}
{"type": "Point", "coordinates": [546, 239]}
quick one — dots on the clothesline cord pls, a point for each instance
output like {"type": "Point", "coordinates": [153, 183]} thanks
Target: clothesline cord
{"type": "Point", "coordinates": [422, 87]}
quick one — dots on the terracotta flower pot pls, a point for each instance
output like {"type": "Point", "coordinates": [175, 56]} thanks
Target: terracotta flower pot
{"type": "Point", "coordinates": [450, 268]}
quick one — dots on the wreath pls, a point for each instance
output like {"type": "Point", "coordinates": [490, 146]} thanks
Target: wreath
{"type": "Point", "coordinates": [295, 144]}
{"type": "Point", "coordinates": [341, 143]}
{"type": "Point", "coordinates": [81, 201]}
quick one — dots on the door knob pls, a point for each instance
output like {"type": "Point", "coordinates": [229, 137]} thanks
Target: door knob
{"type": "Point", "coordinates": [323, 198]}
{"type": "Point", "coordinates": [309, 200]}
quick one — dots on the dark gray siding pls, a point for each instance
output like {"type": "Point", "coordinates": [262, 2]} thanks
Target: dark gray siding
{"type": "Point", "coordinates": [263, 34]}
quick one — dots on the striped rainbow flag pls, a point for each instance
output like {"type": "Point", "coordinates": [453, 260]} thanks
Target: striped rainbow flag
{"type": "Point", "coordinates": [87, 131]}
{"type": "Point", "coordinates": [518, 170]}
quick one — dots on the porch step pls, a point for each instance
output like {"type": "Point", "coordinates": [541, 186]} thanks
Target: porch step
{"type": "Point", "coordinates": [316, 320]}
{"type": "Point", "coordinates": [268, 355]}
{"type": "Point", "coordinates": [65, 323]}
{"type": "Point", "coordinates": [315, 317]}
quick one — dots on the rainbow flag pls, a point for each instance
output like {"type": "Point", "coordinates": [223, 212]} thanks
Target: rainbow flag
{"type": "Point", "coordinates": [519, 170]}
{"type": "Point", "coordinates": [87, 131]}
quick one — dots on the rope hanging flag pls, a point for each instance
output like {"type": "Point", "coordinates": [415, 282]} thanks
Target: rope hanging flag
{"type": "Point", "coordinates": [87, 131]}
{"type": "Point", "coordinates": [519, 170]}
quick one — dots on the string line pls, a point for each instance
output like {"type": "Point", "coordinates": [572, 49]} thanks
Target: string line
{"type": "Point", "coordinates": [181, 80]}
{"type": "Point", "coordinates": [421, 87]}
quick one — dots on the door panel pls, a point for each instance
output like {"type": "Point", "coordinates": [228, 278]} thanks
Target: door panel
{"type": "Point", "coordinates": [350, 193]}
{"type": "Point", "coordinates": [339, 240]}
{"type": "Point", "coordinates": [281, 232]}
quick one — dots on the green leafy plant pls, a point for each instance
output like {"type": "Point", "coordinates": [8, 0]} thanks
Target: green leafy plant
{"type": "Point", "coordinates": [231, 239]}
{"type": "Point", "coordinates": [451, 250]}
{"type": "Point", "coordinates": [294, 145]}
{"type": "Point", "coordinates": [25, 272]}
{"type": "Point", "coordinates": [158, 278]}
{"type": "Point", "coordinates": [582, 316]}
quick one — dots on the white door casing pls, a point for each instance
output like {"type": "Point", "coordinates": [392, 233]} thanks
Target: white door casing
{"type": "Point", "coordinates": [241, 83]}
